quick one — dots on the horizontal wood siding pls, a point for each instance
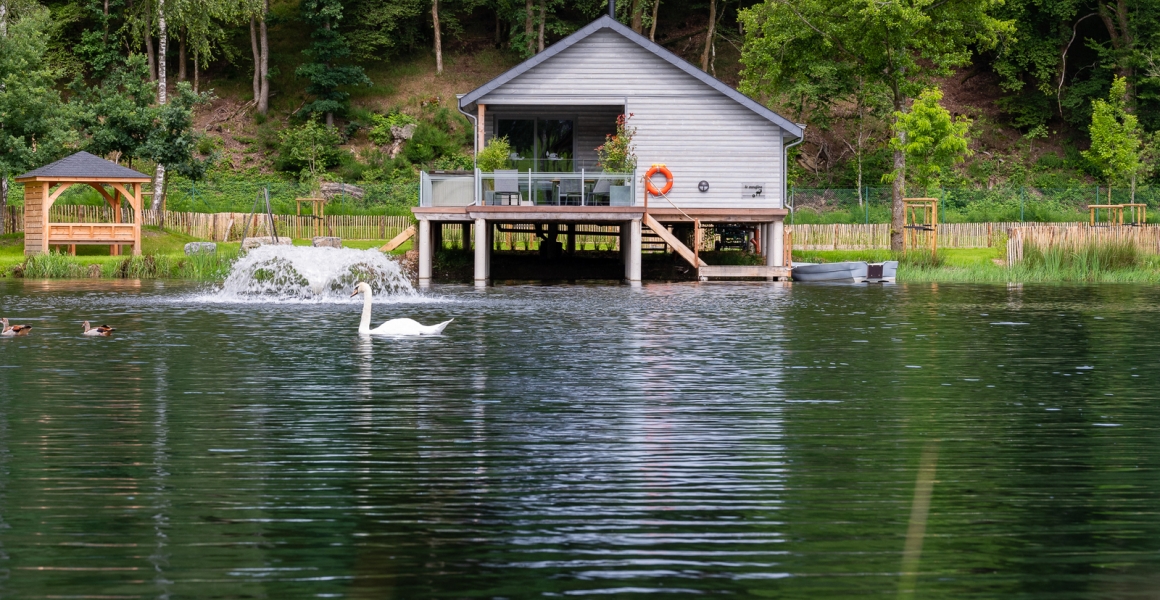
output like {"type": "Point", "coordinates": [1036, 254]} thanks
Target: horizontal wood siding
{"type": "Point", "coordinates": [33, 225]}
{"type": "Point", "coordinates": [696, 131]}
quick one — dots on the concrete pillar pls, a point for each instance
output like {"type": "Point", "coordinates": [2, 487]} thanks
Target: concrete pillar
{"type": "Point", "coordinates": [777, 245]}
{"type": "Point", "coordinates": [632, 264]}
{"type": "Point", "coordinates": [482, 252]}
{"type": "Point", "coordinates": [425, 252]}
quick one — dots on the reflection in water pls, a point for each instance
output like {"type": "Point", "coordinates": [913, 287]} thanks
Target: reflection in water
{"type": "Point", "coordinates": [750, 440]}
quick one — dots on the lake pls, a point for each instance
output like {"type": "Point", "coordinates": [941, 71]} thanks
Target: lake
{"type": "Point", "coordinates": [753, 440]}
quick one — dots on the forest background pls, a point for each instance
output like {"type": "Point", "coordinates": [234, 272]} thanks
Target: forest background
{"type": "Point", "coordinates": [218, 98]}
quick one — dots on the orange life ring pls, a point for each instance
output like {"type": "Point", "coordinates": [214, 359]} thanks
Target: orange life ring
{"type": "Point", "coordinates": [648, 184]}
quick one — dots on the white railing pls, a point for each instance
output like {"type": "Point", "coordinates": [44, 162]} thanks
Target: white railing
{"type": "Point", "coordinates": [527, 188]}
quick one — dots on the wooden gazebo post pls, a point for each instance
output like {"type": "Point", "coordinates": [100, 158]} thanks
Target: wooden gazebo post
{"type": "Point", "coordinates": [81, 168]}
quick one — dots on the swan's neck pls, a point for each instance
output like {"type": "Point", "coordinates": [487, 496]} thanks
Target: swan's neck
{"type": "Point", "coordinates": [364, 326]}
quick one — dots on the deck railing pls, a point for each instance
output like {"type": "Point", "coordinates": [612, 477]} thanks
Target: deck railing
{"type": "Point", "coordinates": [527, 188]}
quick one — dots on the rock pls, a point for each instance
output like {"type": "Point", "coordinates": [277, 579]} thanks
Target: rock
{"type": "Point", "coordinates": [254, 242]}
{"type": "Point", "coordinates": [94, 271]}
{"type": "Point", "coordinates": [327, 242]}
{"type": "Point", "coordinates": [200, 248]}
{"type": "Point", "coordinates": [330, 190]}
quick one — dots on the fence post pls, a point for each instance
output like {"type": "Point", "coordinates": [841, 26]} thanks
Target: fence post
{"type": "Point", "coordinates": [866, 203]}
{"type": "Point", "coordinates": [1022, 196]}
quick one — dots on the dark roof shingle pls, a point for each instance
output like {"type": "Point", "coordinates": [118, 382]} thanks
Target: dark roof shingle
{"type": "Point", "coordinates": [83, 164]}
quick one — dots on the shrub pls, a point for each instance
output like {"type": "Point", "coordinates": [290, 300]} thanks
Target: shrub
{"type": "Point", "coordinates": [428, 143]}
{"type": "Point", "coordinates": [381, 125]}
{"type": "Point", "coordinates": [310, 149]}
{"type": "Point", "coordinates": [495, 155]}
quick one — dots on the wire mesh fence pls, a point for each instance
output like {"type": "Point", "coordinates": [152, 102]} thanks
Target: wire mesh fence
{"type": "Point", "coordinates": [965, 205]}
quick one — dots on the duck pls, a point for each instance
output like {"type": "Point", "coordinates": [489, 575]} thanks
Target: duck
{"type": "Point", "coordinates": [99, 330]}
{"type": "Point", "coordinates": [13, 330]}
{"type": "Point", "coordinates": [398, 327]}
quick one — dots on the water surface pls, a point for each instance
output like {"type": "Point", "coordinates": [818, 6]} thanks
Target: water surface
{"type": "Point", "coordinates": [750, 440]}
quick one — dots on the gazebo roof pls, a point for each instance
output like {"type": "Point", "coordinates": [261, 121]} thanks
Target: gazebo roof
{"type": "Point", "coordinates": [83, 166]}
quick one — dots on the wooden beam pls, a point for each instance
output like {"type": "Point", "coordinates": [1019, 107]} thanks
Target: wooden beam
{"type": "Point", "coordinates": [480, 127]}
{"type": "Point", "coordinates": [60, 190]}
{"type": "Point", "coordinates": [83, 180]}
{"type": "Point", "coordinates": [671, 240]}
{"type": "Point", "coordinates": [398, 239]}
{"type": "Point", "coordinates": [107, 195]}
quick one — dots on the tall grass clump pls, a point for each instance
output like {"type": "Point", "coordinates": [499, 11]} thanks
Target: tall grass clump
{"type": "Point", "coordinates": [921, 259]}
{"type": "Point", "coordinates": [52, 266]}
{"type": "Point", "coordinates": [1093, 261]}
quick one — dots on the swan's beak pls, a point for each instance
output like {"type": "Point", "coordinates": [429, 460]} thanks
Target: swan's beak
{"type": "Point", "coordinates": [354, 293]}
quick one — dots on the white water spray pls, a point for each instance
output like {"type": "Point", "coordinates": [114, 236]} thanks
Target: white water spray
{"type": "Point", "coordinates": [302, 274]}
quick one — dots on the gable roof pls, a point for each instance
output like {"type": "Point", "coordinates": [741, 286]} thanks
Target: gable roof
{"type": "Point", "coordinates": [606, 22]}
{"type": "Point", "coordinates": [86, 166]}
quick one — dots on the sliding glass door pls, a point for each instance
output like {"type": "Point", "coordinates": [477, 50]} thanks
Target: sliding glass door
{"type": "Point", "coordinates": [542, 145]}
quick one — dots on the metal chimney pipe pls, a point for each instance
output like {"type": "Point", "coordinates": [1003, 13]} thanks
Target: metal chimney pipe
{"type": "Point", "coordinates": [612, 8]}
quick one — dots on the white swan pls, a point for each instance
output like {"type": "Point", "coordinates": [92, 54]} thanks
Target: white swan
{"type": "Point", "coordinates": [394, 326]}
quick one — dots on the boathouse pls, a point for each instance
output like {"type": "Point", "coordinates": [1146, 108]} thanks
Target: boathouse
{"type": "Point", "coordinates": [726, 153]}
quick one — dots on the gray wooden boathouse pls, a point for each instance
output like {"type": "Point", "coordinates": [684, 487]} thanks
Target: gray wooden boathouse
{"type": "Point", "coordinates": [726, 153]}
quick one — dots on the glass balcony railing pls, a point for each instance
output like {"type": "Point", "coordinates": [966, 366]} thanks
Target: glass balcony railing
{"type": "Point", "coordinates": [528, 188]}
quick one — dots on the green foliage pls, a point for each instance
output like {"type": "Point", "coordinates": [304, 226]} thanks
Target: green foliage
{"type": "Point", "coordinates": [117, 114]}
{"type": "Point", "coordinates": [172, 140]}
{"type": "Point", "coordinates": [1115, 149]}
{"type": "Point", "coordinates": [617, 154]}
{"type": "Point", "coordinates": [934, 140]}
{"type": "Point", "coordinates": [326, 71]}
{"type": "Point", "coordinates": [495, 155]}
{"type": "Point", "coordinates": [381, 125]}
{"type": "Point", "coordinates": [35, 124]}
{"type": "Point", "coordinates": [428, 144]}
{"type": "Point", "coordinates": [309, 149]}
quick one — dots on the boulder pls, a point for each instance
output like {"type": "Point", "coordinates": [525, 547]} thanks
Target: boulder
{"type": "Point", "coordinates": [254, 242]}
{"type": "Point", "coordinates": [331, 190]}
{"type": "Point", "coordinates": [327, 242]}
{"type": "Point", "coordinates": [200, 248]}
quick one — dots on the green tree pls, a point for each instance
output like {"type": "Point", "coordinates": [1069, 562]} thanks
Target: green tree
{"type": "Point", "coordinates": [117, 115]}
{"type": "Point", "coordinates": [832, 46]}
{"type": "Point", "coordinates": [934, 140]}
{"type": "Point", "coordinates": [1115, 132]}
{"type": "Point", "coordinates": [326, 72]}
{"type": "Point", "coordinates": [35, 125]}
{"type": "Point", "coordinates": [309, 149]}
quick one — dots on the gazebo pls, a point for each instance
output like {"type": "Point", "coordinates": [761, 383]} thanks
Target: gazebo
{"type": "Point", "coordinates": [44, 185]}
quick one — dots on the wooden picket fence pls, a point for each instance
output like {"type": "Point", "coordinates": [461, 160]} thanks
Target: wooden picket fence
{"type": "Point", "coordinates": [1146, 238]}
{"type": "Point", "coordinates": [877, 236]}
{"type": "Point", "coordinates": [229, 226]}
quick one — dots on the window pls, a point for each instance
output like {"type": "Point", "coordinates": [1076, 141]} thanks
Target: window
{"type": "Point", "coordinates": [539, 144]}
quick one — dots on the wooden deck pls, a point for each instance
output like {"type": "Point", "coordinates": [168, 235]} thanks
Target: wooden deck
{"type": "Point", "coordinates": [597, 214]}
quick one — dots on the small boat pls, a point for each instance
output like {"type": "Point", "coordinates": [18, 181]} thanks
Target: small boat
{"type": "Point", "coordinates": [840, 271]}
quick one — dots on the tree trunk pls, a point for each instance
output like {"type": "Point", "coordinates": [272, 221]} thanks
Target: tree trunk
{"type": "Point", "coordinates": [3, 179]}
{"type": "Point", "coordinates": [1116, 17]}
{"type": "Point", "coordinates": [897, 193]}
{"type": "Point", "coordinates": [105, 38]}
{"type": "Point", "coordinates": [181, 57]}
{"type": "Point", "coordinates": [438, 37]}
{"type": "Point", "coordinates": [195, 72]}
{"type": "Point", "coordinates": [652, 28]}
{"type": "Point", "coordinates": [162, 46]}
{"type": "Point", "coordinates": [264, 74]}
{"type": "Point", "coordinates": [635, 13]}
{"type": "Point", "coordinates": [710, 35]}
{"type": "Point", "coordinates": [149, 45]}
{"type": "Point", "coordinates": [257, 57]}
{"type": "Point", "coordinates": [543, 17]}
{"type": "Point", "coordinates": [528, 21]}
{"type": "Point", "coordinates": [3, 18]}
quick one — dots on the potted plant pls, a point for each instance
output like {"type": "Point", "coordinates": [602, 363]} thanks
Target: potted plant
{"type": "Point", "coordinates": [617, 155]}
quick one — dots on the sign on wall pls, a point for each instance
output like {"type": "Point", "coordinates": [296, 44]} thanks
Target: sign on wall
{"type": "Point", "coordinates": [753, 190]}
